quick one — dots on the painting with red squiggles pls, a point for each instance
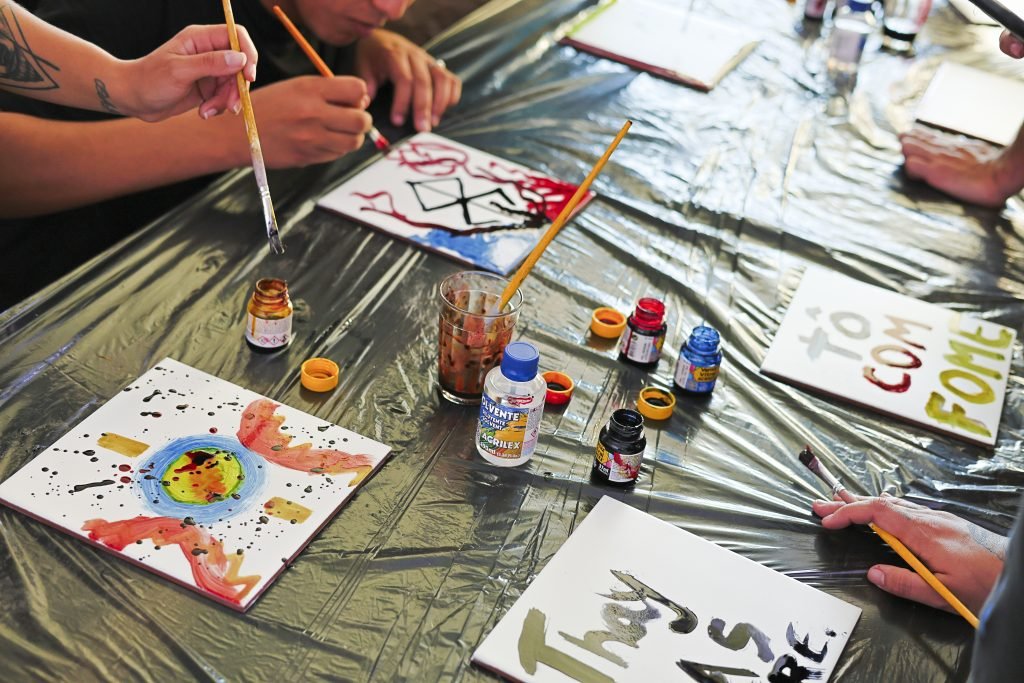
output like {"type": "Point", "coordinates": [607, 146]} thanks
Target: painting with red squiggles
{"type": "Point", "coordinates": [201, 481]}
{"type": "Point", "coordinates": [455, 200]}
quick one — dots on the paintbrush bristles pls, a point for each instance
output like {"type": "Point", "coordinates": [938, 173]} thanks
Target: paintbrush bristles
{"type": "Point", "coordinates": [807, 457]}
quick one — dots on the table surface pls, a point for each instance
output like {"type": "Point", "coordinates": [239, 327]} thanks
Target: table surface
{"type": "Point", "coordinates": [715, 201]}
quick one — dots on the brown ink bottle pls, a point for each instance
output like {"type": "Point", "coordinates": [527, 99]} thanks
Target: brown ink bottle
{"type": "Point", "coordinates": [268, 323]}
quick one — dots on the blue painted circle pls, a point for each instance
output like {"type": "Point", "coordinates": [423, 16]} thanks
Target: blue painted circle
{"type": "Point", "coordinates": [160, 501]}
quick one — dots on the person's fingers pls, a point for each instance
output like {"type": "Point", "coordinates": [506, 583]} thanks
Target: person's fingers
{"type": "Point", "coordinates": [456, 92]}
{"type": "Point", "coordinates": [191, 68]}
{"type": "Point", "coordinates": [334, 146]}
{"type": "Point", "coordinates": [248, 48]}
{"type": "Point", "coordinates": [422, 94]}
{"type": "Point", "coordinates": [400, 72]}
{"type": "Point", "coordinates": [1011, 45]}
{"type": "Point", "coordinates": [442, 93]}
{"type": "Point", "coordinates": [824, 508]}
{"type": "Point", "coordinates": [916, 168]}
{"type": "Point", "coordinates": [882, 511]}
{"type": "Point", "coordinates": [217, 103]}
{"type": "Point", "coordinates": [347, 121]}
{"type": "Point", "coordinates": [905, 584]}
{"type": "Point", "coordinates": [346, 91]}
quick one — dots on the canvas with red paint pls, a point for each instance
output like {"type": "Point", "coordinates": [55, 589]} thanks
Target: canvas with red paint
{"type": "Point", "coordinates": [201, 481]}
{"type": "Point", "coordinates": [455, 200]}
{"type": "Point", "coordinates": [894, 354]}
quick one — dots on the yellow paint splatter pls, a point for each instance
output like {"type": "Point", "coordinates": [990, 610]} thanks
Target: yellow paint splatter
{"type": "Point", "coordinates": [286, 509]}
{"type": "Point", "coordinates": [130, 448]}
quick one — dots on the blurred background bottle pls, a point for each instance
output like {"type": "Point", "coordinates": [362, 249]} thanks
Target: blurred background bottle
{"type": "Point", "coordinates": [902, 21]}
{"type": "Point", "coordinates": [852, 25]}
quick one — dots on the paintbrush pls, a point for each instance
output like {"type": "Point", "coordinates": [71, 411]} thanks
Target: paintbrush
{"type": "Point", "coordinates": [808, 458]}
{"type": "Point", "coordinates": [259, 169]}
{"type": "Point", "coordinates": [561, 220]}
{"type": "Point", "coordinates": [379, 141]}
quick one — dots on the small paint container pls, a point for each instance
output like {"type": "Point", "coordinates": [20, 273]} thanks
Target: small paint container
{"type": "Point", "coordinates": [620, 449]}
{"type": "Point", "coordinates": [319, 374]}
{"type": "Point", "coordinates": [560, 388]}
{"type": "Point", "coordinates": [655, 404]}
{"type": "Point", "coordinates": [268, 324]}
{"type": "Point", "coordinates": [645, 334]}
{"type": "Point", "coordinates": [700, 359]}
{"type": "Point", "coordinates": [607, 323]}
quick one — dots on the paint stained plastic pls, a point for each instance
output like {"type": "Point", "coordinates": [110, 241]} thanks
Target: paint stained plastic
{"type": "Point", "coordinates": [715, 201]}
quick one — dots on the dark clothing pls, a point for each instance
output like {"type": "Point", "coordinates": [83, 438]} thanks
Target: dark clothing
{"type": "Point", "coordinates": [128, 29]}
{"type": "Point", "coordinates": [997, 656]}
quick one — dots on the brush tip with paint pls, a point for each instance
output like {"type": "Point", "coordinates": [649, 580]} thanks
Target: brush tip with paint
{"type": "Point", "coordinates": [807, 457]}
{"type": "Point", "coordinates": [379, 141]}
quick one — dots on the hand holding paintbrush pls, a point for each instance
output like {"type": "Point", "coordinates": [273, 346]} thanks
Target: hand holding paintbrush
{"type": "Point", "coordinates": [967, 557]}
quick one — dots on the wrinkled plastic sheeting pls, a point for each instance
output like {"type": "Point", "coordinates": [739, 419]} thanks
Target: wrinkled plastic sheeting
{"type": "Point", "coordinates": [715, 202]}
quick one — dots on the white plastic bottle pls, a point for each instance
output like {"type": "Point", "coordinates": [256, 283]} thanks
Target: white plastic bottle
{"type": "Point", "coordinates": [852, 25]}
{"type": "Point", "coordinates": [511, 408]}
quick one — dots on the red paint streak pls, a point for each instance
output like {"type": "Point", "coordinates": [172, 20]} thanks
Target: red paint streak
{"type": "Point", "coordinates": [259, 431]}
{"type": "Point", "coordinates": [904, 384]}
{"type": "Point", "coordinates": [212, 570]}
{"type": "Point", "coordinates": [542, 195]}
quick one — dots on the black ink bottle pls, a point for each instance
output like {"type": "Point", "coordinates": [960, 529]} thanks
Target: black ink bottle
{"type": "Point", "coordinates": [645, 334]}
{"type": "Point", "coordinates": [620, 449]}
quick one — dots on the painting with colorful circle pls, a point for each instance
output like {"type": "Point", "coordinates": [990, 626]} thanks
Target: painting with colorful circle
{"type": "Point", "coordinates": [201, 481]}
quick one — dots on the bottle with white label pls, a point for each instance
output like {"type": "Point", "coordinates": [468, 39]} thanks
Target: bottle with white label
{"type": "Point", "coordinates": [852, 25]}
{"type": "Point", "coordinates": [268, 323]}
{"type": "Point", "coordinates": [511, 407]}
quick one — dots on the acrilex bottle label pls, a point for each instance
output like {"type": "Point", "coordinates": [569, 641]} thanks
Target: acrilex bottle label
{"type": "Point", "coordinates": [509, 432]}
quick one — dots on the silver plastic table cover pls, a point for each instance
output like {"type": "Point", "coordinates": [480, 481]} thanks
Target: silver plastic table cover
{"type": "Point", "coordinates": [715, 202]}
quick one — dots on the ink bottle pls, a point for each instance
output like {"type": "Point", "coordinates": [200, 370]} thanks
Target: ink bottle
{"type": "Point", "coordinates": [620, 449]}
{"type": "Point", "coordinates": [700, 358]}
{"type": "Point", "coordinates": [645, 334]}
{"type": "Point", "coordinates": [511, 407]}
{"type": "Point", "coordinates": [268, 324]}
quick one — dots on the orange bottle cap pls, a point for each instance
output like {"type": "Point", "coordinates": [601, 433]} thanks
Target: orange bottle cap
{"type": "Point", "coordinates": [319, 374]}
{"type": "Point", "coordinates": [655, 403]}
{"type": "Point", "coordinates": [607, 322]}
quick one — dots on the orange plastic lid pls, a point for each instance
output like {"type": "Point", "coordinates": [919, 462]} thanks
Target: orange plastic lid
{"type": "Point", "coordinates": [555, 396]}
{"type": "Point", "coordinates": [655, 403]}
{"type": "Point", "coordinates": [319, 374]}
{"type": "Point", "coordinates": [607, 322]}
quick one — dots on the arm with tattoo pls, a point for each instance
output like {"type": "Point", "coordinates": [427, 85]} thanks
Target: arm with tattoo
{"type": "Point", "coordinates": [196, 67]}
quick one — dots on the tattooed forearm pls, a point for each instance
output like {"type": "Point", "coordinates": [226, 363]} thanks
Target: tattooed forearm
{"type": "Point", "coordinates": [992, 542]}
{"type": "Point", "coordinates": [20, 68]}
{"type": "Point", "coordinates": [105, 101]}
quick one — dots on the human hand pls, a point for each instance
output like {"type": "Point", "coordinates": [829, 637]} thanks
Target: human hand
{"type": "Point", "coordinates": [195, 67]}
{"type": "Point", "coordinates": [1011, 44]}
{"type": "Point", "coordinates": [310, 119]}
{"type": "Point", "coordinates": [423, 86]}
{"type": "Point", "coordinates": [963, 556]}
{"type": "Point", "coordinates": [970, 170]}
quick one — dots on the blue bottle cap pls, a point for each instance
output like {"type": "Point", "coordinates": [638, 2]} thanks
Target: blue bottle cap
{"type": "Point", "coordinates": [704, 339]}
{"type": "Point", "coordinates": [857, 6]}
{"type": "Point", "coordinates": [520, 361]}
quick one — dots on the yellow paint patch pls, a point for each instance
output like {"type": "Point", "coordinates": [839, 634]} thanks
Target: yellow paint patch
{"type": "Point", "coordinates": [286, 509]}
{"type": "Point", "coordinates": [361, 473]}
{"type": "Point", "coordinates": [130, 448]}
